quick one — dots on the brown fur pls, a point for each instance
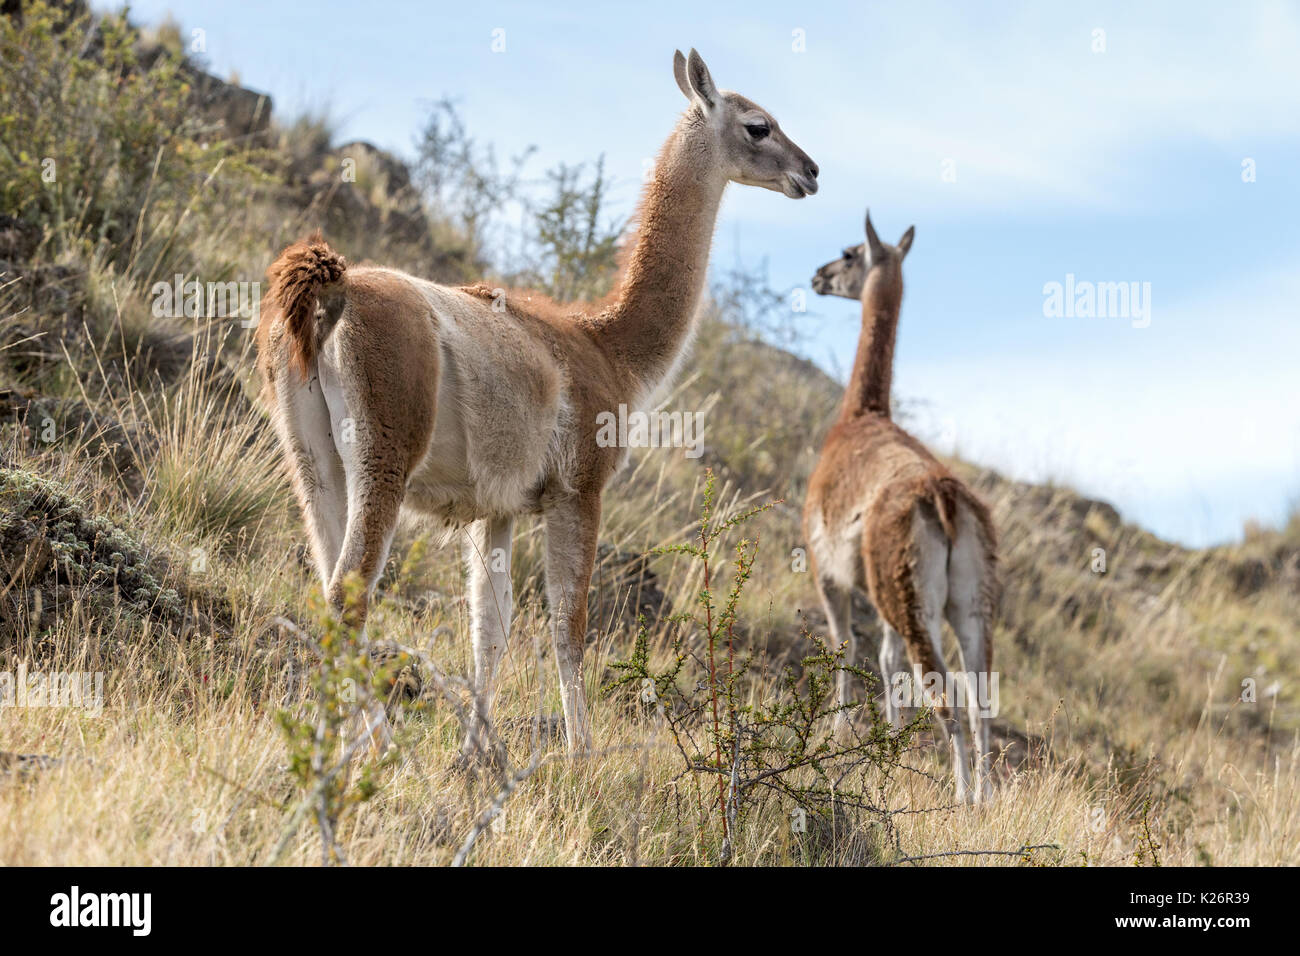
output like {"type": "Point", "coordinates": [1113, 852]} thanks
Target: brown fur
{"type": "Point", "coordinates": [388, 324]}
{"type": "Point", "coordinates": [871, 469]}
{"type": "Point", "coordinates": [297, 279]}
{"type": "Point", "coordinates": [529, 380]}
{"type": "Point", "coordinates": [402, 400]}
{"type": "Point", "coordinates": [871, 383]}
{"type": "Point", "coordinates": [622, 341]}
{"type": "Point", "coordinates": [659, 289]}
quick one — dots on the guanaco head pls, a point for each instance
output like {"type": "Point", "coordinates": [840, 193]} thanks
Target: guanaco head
{"type": "Point", "coordinates": [752, 148]}
{"type": "Point", "coordinates": [847, 275]}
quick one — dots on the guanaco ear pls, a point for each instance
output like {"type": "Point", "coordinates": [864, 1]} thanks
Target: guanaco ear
{"type": "Point", "coordinates": [906, 242]}
{"type": "Point", "coordinates": [875, 247]}
{"type": "Point", "coordinates": [700, 81]}
{"type": "Point", "coordinates": [679, 74]}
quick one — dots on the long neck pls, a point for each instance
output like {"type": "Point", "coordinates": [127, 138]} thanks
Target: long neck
{"type": "Point", "coordinates": [650, 324]}
{"type": "Point", "coordinates": [873, 367]}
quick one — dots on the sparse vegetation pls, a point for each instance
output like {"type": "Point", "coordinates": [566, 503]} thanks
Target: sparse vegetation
{"type": "Point", "coordinates": [755, 735]}
{"type": "Point", "coordinates": [1148, 711]}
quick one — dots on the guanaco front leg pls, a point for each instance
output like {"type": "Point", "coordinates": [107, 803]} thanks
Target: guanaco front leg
{"type": "Point", "coordinates": [571, 529]}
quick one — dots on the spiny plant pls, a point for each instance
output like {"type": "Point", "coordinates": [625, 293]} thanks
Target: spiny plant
{"type": "Point", "coordinates": [1147, 850]}
{"type": "Point", "coordinates": [753, 739]}
{"type": "Point", "coordinates": [324, 747]}
{"type": "Point", "coordinates": [49, 532]}
{"type": "Point", "coordinates": [578, 253]}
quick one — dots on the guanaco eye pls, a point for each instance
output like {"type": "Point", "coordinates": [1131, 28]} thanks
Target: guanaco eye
{"type": "Point", "coordinates": [848, 255]}
{"type": "Point", "coordinates": [757, 130]}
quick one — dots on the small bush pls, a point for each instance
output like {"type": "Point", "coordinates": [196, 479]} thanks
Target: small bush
{"type": "Point", "coordinates": [752, 739]}
{"type": "Point", "coordinates": [97, 148]}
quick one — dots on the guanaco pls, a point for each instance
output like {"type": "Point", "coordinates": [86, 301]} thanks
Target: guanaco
{"type": "Point", "coordinates": [474, 406]}
{"type": "Point", "coordinates": [883, 515]}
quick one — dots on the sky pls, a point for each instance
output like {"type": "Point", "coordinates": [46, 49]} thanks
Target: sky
{"type": "Point", "coordinates": [1156, 144]}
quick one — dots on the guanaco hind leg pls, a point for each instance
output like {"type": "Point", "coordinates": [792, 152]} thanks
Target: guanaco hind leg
{"type": "Point", "coordinates": [487, 558]}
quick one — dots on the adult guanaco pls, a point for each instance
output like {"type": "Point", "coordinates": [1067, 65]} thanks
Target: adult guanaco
{"type": "Point", "coordinates": [473, 406]}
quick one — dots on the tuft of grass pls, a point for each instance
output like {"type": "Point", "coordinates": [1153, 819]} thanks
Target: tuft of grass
{"type": "Point", "coordinates": [216, 474]}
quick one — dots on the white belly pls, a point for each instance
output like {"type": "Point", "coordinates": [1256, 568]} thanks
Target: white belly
{"type": "Point", "coordinates": [493, 444]}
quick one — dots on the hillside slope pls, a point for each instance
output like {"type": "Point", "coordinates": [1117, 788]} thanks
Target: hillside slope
{"type": "Point", "coordinates": [1148, 707]}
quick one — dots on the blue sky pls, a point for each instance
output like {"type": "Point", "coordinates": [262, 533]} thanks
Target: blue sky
{"type": "Point", "coordinates": [1119, 165]}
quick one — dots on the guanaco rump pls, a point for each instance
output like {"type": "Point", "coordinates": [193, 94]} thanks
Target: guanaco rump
{"type": "Point", "coordinates": [471, 406]}
{"type": "Point", "coordinates": [884, 516]}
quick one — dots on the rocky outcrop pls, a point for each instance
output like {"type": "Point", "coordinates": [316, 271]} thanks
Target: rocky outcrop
{"type": "Point", "coordinates": [244, 114]}
{"type": "Point", "coordinates": [364, 196]}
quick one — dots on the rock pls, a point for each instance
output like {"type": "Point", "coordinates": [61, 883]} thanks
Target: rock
{"type": "Point", "coordinates": [22, 765]}
{"type": "Point", "coordinates": [18, 240]}
{"type": "Point", "coordinates": [1290, 570]}
{"type": "Point", "coordinates": [245, 115]}
{"type": "Point", "coordinates": [1249, 576]}
{"type": "Point", "coordinates": [623, 587]}
{"type": "Point", "coordinates": [1082, 507]}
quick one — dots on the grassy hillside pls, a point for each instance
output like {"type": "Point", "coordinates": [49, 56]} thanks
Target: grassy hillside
{"type": "Point", "coordinates": [147, 534]}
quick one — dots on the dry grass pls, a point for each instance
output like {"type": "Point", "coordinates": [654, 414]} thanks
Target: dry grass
{"type": "Point", "coordinates": [1123, 731]}
{"type": "Point", "coordinates": [1123, 693]}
